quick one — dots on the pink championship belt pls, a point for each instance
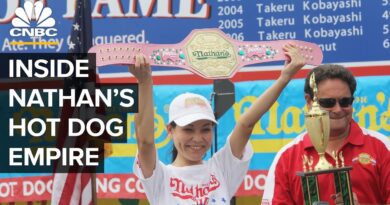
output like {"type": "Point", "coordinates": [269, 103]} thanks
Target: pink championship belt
{"type": "Point", "coordinates": [206, 52]}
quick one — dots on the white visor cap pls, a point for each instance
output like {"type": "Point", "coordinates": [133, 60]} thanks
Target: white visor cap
{"type": "Point", "coordinates": [188, 108]}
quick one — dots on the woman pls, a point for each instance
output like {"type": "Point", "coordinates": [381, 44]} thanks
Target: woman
{"type": "Point", "coordinates": [189, 179]}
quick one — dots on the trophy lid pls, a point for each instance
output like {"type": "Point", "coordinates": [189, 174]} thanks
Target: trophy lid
{"type": "Point", "coordinates": [315, 109]}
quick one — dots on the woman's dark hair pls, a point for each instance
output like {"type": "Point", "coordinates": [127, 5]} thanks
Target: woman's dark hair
{"type": "Point", "coordinates": [174, 150]}
{"type": "Point", "coordinates": [330, 71]}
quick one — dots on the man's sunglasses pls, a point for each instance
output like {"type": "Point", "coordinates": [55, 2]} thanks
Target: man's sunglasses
{"type": "Point", "coordinates": [331, 102]}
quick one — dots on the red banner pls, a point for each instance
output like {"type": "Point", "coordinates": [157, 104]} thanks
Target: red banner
{"type": "Point", "coordinates": [108, 186]}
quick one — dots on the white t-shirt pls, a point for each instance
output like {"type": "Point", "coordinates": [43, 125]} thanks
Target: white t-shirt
{"type": "Point", "coordinates": [212, 183]}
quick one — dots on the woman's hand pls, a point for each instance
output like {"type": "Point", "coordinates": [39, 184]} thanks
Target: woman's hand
{"type": "Point", "coordinates": [141, 69]}
{"type": "Point", "coordinates": [295, 61]}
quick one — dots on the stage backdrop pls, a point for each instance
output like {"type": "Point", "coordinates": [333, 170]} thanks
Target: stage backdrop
{"type": "Point", "coordinates": [354, 33]}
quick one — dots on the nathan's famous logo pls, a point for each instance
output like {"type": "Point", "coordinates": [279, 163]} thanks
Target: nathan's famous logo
{"type": "Point", "coordinates": [211, 54]}
{"type": "Point", "coordinates": [33, 20]}
{"type": "Point", "coordinates": [196, 192]}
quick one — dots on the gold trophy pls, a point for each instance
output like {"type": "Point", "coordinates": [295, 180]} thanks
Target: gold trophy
{"type": "Point", "coordinates": [317, 122]}
{"type": "Point", "coordinates": [318, 126]}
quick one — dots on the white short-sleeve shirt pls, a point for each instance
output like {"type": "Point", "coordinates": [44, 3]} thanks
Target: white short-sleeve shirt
{"type": "Point", "coordinates": [213, 182]}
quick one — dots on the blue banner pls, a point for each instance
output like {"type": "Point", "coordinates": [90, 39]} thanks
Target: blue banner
{"type": "Point", "coordinates": [346, 30]}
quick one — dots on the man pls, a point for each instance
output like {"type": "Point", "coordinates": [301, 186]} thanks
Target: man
{"type": "Point", "coordinates": [368, 152]}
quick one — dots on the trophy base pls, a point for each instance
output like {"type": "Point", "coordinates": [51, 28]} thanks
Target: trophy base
{"type": "Point", "coordinates": [341, 179]}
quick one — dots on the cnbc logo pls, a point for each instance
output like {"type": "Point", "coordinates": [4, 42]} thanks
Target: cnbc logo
{"type": "Point", "coordinates": [33, 20]}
